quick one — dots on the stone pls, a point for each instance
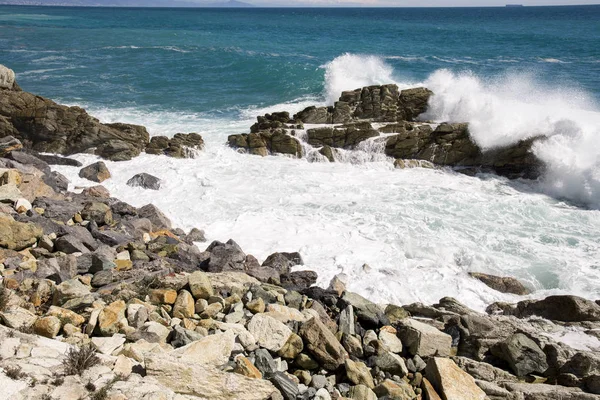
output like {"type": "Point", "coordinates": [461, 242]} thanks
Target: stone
{"type": "Point", "coordinates": [212, 310]}
{"type": "Point", "coordinates": [96, 172]}
{"type": "Point", "coordinates": [110, 317]}
{"type": "Point", "coordinates": [398, 390]}
{"type": "Point", "coordinates": [256, 306]}
{"type": "Point", "coordinates": [213, 349]}
{"type": "Point", "coordinates": [292, 347]}
{"type": "Point", "coordinates": [540, 391]}
{"type": "Point", "coordinates": [47, 326]}
{"type": "Point", "coordinates": [366, 311]}
{"type": "Point", "coordinates": [96, 191]}
{"type": "Point", "coordinates": [423, 340]}
{"type": "Point", "coordinates": [153, 332]}
{"type": "Point", "coordinates": [392, 363]}
{"type": "Point", "coordinates": [299, 280]}
{"type": "Point", "coordinates": [268, 332]}
{"type": "Point", "coordinates": [429, 391]}
{"type": "Point", "coordinates": [346, 321]}
{"type": "Point", "coordinates": [225, 257]}
{"type": "Point", "coordinates": [108, 345]}
{"type": "Point", "coordinates": [205, 382]}
{"type": "Point", "coordinates": [390, 341]}
{"type": "Point", "coordinates": [338, 283]}
{"type": "Point", "coordinates": [245, 367]}
{"type": "Point", "coordinates": [200, 285]}
{"type": "Point", "coordinates": [361, 392]}
{"type": "Point", "coordinates": [22, 206]}
{"type": "Point", "coordinates": [565, 308]}
{"type": "Point", "coordinates": [163, 296]}
{"type": "Point", "coordinates": [7, 78]}
{"type": "Point", "coordinates": [184, 305]}
{"type": "Point", "coordinates": [145, 181]}
{"type": "Point", "coordinates": [501, 284]}
{"type": "Point", "coordinates": [522, 354]}
{"type": "Point", "coordinates": [286, 386]}
{"type": "Point", "coordinates": [451, 382]}
{"type": "Point", "coordinates": [17, 317]}
{"type": "Point", "coordinates": [71, 244]}
{"type": "Point", "coordinates": [264, 362]}
{"type": "Point", "coordinates": [17, 235]}
{"type": "Point", "coordinates": [157, 218]}
{"type": "Point", "coordinates": [69, 290]}
{"type": "Point", "coordinates": [322, 344]}
{"type": "Point", "coordinates": [66, 316]}
{"type": "Point", "coordinates": [358, 373]}
{"type": "Point", "coordinates": [98, 212]}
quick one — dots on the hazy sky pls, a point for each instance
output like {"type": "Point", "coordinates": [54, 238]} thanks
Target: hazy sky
{"type": "Point", "coordinates": [418, 3]}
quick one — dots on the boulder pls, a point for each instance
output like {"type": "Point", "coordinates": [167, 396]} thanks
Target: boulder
{"type": "Point", "coordinates": [501, 284]}
{"type": "Point", "coordinates": [268, 332]}
{"type": "Point", "coordinates": [369, 313]}
{"type": "Point", "coordinates": [451, 382]}
{"type": "Point", "coordinates": [158, 219]}
{"type": "Point", "coordinates": [184, 305]}
{"type": "Point", "coordinates": [179, 146]}
{"type": "Point", "coordinates": [225, 257]}
{"type": "Point", "coordinates": [358, 373]}
{"type": "Point", "coordinates": [522, 354]}
{"type": "Point", "coordinates": [153, 332]}
{"type": "Point", "coordinates": [200, 285]}
{"type": "Point", "coordinates": [96, 172]}
{"type": "Point", "coordinates": [213, 350]}
{"type": "Point", "coordinates": [322, 344]}
{"type": "Point", "coordinates": [47, 326]}
{"type": "Point", "coordinates": [17, 235]}
{"type": "Point", "coordinates": [145, 181]}
{"type": "Point", "coordinates": [347, 136]}
{"type": "Point", "coordinates": [7, 78]}
{"type": "Point", "coordinates": [9, 144]}
{"type": "Point", "coordinates": [423, 340]}
{"type": "Point", "coordinates": [286, 386]}
{"type": "Point", "coordinates": [565, 308]}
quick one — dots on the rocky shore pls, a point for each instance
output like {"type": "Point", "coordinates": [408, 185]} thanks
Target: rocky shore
{"type": "Point", "coordinates": [103, 300]}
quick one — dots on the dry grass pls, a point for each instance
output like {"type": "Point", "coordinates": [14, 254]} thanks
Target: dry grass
{"type": "Point", "coordinates": [78, 360]}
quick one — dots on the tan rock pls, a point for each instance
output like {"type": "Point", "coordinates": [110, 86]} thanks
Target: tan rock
{"type": "Point", "coordinates": [361, 392]}
{"type": "Point", "coordinates": [200, 285]}
{"type": "Point", "coordinates": [213, 349]}
{"type": "Point", "coordinates": [110, 316]}
{"type": "Point", "coordinates": [323, 344]}
{"type": "Point", "coordinates": [66, 316]}
{"type": "Point", "coordinates": [395, 390]}
{"type": "Point", "coordinates": [292, 347]}
{"type": "Point", "coordinates": [184, 305]}
{"type": "Point", "coordinates": [47, 326]}
{"type": "Point", "coordinates": [18, 317]}
{"type": "Point", "coordinates": [359, 374]}
{"type": "Point", "coordinates": [268, 332]}
{"type": "Point", "coordinates": [243, 366]}
{"type": "Point", "coordinates": [256, 306]}
{"type": "Point", "coordinates": [424, 340]}
{"type": "Point", "coordinates": [429, 391]}
{"type": "Point", "coordinates": [205, 382]}
{"type": "Point", "coordinates": [163, 296]}
{"type": "Point", "coordinates": [17, 235]}
{"type": "Point", "coordinates": [123, 366]}
{"type": "Point", "coordinates": [212, 310]}
{"type": "Point", "coordinates": [451, 382]}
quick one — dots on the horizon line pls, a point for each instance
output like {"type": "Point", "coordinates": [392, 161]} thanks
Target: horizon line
{"type": "Point", "coordinates": [253, 6]}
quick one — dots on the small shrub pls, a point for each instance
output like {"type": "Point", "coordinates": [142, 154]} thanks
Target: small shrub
{"type": "Point", "coordinates": [4, 297]}
{"type": "Point", "coordinates": [102, 393]}
{"type": "Point", "coordinates": [78, 360]}
{"type": "Point", "coordinates": [26, 329]}
{"type": "Point", "coordinates": [46, 396]}
{"type": "Point", "coordinates": [58, 381]}
{"type": "Point", "coordinates": [14, 372]}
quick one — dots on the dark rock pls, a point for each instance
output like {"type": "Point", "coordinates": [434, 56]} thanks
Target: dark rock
{"type": "Point", "coordinates": [96, 172]}
{"type": "Point", "coordinates": [369, 313]}
{"type": "Point", "coordinates": [501, 284]}
{"type": "Point", "coordinates": [264, 362]}
{"type": "Point", "coordinates": [322, 344]}
{"type": "Point", "coordinates": [180, 146]}
{"type": "Point", "coordinates": [270, 121]}
{"type": "Point", "coordinates": [281, 262]}
{"type": "Point", "coordinates": [412, 103]}
{"type": "Point", "coordinates": [287, 387]}
{"type": "Point", "coordinates": [29, 159]}
{"type": "Point", "coordinates": [560, 308]}
{"type": "Point", "coordinates": [582, 365]}
{"type": "Point", "coordinates": [123, 209]}
{"type": "Point", "coordinates": [299, 280]}
{"type": "Point", "coordinates": [57, 181]}
{"type": "Point", "coordinates": [52, 159]}
{"type": "Point", "coordinates": [522, 354]}
{"type": "Point", "coordinates": [195, 235]}
{"type": "Point", "coordinates": [316, 115]}
{"type": "Point", "coordinates": [261, 143]}
{"type": "Point", "coordinates": [225, 257]}
{"type": "Point", "coordinates": [145, 181]}
{"type": "Point", "coordinates": [70, 244]}
{"type": "Point", "coordinates": [102, 278]}
{"type": "Point", "coordinates": [158, 219]}
{"type": "Point", "coordinates": [180, 336]}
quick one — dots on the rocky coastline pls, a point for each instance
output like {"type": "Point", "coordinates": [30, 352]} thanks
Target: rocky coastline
{"type": "Point", "coordinates": [103, 300]}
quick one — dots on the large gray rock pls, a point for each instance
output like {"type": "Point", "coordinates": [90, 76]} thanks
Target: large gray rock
{"type": "Point", "coordinates": [522, 354]}
{"type": "Point", "coordinates": [369, 313]}
{"type": "Point", "coordinates": [9, 144]}
{"type": "Point", "coordinates": [158, 219]}
{"type": "Point", "coordinates": [226, 257]}
{"type": "Point", "coordinates": [563, 308]}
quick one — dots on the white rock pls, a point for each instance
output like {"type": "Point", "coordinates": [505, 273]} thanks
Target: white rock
{"type": "Point", "coordinates": [451, 382]}
{"type": "Point", "coordinates": [322, 394]}
{"type": "Point", "coordinates": [22, 206]}
{"type": "Point", "coordinates": [390, 341]}
{"type": "Point", "coordinates": [18, 317]}
{"type": "Point", "coordinates": [424, 340]}
{"type": "Point", "coordinates": [268, 332]}
{"type": "Point", "coordinates": [284, 314]}
{"type": "Point", "coordinates": [108, 345]}
{"type": "Point", "coordinates": [154, 332]}
{"type": "Point", "coordinates": [213, 349]}
{"type": "Point", "coordinates": [7, 77]}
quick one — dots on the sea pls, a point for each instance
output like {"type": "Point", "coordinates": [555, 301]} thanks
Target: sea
{"type": "Point", "coordinates": [398, 235]}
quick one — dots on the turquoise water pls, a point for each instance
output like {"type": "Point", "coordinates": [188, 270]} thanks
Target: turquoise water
{"type": "Point", "coordinates": [214, 61]}
{"type": "Point", "coordinates": [511, 73]}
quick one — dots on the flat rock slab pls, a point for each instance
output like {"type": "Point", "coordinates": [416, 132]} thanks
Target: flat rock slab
{"type": "Point", "coordinates": [424, 340]}
{"type": "Point", "coordinates": [451, 382]}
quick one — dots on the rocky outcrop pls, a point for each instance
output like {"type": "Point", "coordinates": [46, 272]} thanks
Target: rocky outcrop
{"type": "Point", "coordinates": [266, 142]}
{"type": "Point", "coordinates": [45, 126]}
{"type": "Point", "coordinates": [501, 283]}
{"type": "Point", "coordinates": [346, 136]}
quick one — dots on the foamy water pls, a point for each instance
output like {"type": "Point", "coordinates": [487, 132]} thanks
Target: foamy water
{"type": "Point", "coordinates": [420, 231]}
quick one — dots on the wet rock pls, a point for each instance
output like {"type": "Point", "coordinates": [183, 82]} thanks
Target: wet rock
{"type": "Point", "coordinates": [179, 146]}
{"type": "Point", "coordinates": [96, 172]}
{"type": "Point", "coordinates": [501, 284]}
{"type": "Point", "coordinates": [145, 181]}
{"type": "Point", "coordinates": [564, 308]}
{"type": "Point", "coordinates": [347, 136]}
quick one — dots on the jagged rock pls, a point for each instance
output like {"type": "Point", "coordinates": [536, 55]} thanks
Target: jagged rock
{"type": "Point", "coordinates": [96, 191]}
{"type": "Point", "coordinates": [66, 316]}
{"type": "Point", "coordinates": [17, 317]}
{"type": "Point", "coordinates": [522, 354]}
{"type": "Point", "coordinates": [501, 284]}
{"type": "Point", "coordinates": [392, 363]}
{"type": "Point", "coordinates": [359, 374]}
{"type": "Point", "coordinates": [110, 317]}
{"type": "Point", "coordinates": [564, 308]}
{"type": "Point", "coordinates": [298, 280]}
{"type": "Point", "coordinates": [158, 219]}
{"type": "Point", "coordinates": [70, 244]}
{"type": "Point", "coordinates": [275, 141]}
{"type": "Point", "coordinates": [398, 390]}
{"type": "Point", "coordinates": [181, 337]}
{"type": "Point", "coordinates": [10, 193]}
{"type": "Point", "coordinates": [423, 340]}
{"type": "Point", "coordinates": [451, 382]}
{"type": "Point", "coordinates": [97, 172]}
{"type": "Point", "coordinates": [542, 391]}
{"type": "Point", "coordinates": [244, 366]}
{"type": "Point", "coordinates": [322, 344]}
{"type": "Point", "coordinates": [270, 121]}
{"type": "Point", "coordinates": [98, 212]}
{"type": "Point", "coordinates": [361, 392]}
{"type": "Point", "coordinates": [213, 349]}
{"type": "Point", "coordinates": [47, 326]}
{"type": "Point", "coordinates": [367, 312]}
{"type": "Point", "coordinates": [347, 136]}
{"type": "Point", "coordinates": [225, 257]}
{"type": "Point", "coordinates": [145, 181]}
{"type": "Point", "coordinates": [153, 332]}
{"type": "Point", "coordinates": [17, 235]}
{"type": "Point", "coordinates": [287, 387]}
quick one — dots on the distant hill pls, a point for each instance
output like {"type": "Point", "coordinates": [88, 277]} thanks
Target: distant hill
{"type": "Point", "coordinates": [127, 3]}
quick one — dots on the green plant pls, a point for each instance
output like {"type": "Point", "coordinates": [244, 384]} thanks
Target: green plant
{"type": "Point", "coordinates": [102, 393]}
{"type": "Point", "coordinates": [79, 359]}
